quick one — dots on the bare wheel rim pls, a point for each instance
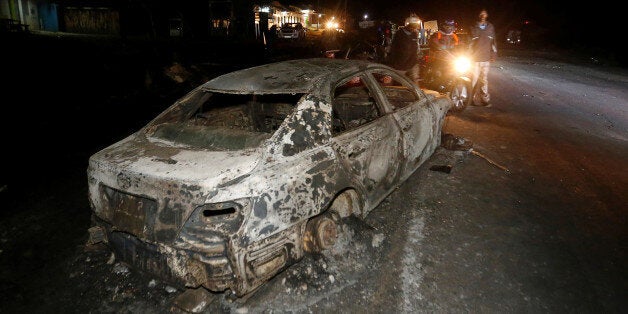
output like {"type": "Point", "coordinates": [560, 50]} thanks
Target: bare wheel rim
{"type": "Point", "coordinates": [326, 233]}
{"type": "Point", "coordinates": [459, 96]}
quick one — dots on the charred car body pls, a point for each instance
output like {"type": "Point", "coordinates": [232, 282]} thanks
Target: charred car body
{"type": "Point", "coordinates": [246, 173]}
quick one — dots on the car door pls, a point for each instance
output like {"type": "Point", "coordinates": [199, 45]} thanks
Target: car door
{"type": "Point", "coordinates": [365, 138]}
{"type": "Point", "coordinates": [412, 111]}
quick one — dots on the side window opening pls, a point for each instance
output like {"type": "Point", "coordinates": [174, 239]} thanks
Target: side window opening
{"type": "Point", "coordinates": [398, 93]}
{"type": "Point", "coordinates": [353, 105]}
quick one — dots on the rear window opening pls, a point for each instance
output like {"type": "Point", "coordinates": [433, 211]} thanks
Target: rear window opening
{"type": "Point", "coordinates": [224, 121]}
{"type": "Point", "coordinates": [254, 113]}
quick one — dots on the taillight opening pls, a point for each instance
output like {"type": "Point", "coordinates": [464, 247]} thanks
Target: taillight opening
{"type": "Point", "coordinates": [208, 213]}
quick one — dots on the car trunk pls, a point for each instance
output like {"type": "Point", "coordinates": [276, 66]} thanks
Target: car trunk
{"type": "Point", "coordinates": [150, 189]}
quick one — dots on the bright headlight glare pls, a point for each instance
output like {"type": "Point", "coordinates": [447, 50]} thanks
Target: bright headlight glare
{"type": "Point", "coordinates": [462, 64]}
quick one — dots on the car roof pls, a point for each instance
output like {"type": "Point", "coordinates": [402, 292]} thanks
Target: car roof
{"type": "Point", "coordinates": [292, 76]}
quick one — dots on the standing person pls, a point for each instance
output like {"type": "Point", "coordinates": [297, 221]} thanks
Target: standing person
{"type": "Point", "coordinates": [404, 50]}
{"type": "Point", "coordinates": [483, 49]}
{"type": "Point", "coordinates": [271, 38]}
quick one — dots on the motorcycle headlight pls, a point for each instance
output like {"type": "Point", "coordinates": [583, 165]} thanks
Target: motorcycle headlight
{"type": "Point", "coordinates": [462, 64]}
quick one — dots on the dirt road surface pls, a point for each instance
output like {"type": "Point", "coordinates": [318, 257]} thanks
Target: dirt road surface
{"type": "Point", "coordinates": [531, 219]}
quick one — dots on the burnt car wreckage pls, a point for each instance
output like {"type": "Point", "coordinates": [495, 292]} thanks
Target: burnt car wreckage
{"type": "Point", "coordinates": [250, 171]}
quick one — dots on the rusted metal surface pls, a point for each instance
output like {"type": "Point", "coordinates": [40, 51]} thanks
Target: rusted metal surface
{"type": "Point", "coordinates": [242, 176]}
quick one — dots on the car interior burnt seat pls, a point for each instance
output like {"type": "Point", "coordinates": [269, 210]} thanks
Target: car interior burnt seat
{"type": "Point", "coordinates": [352, 106]}
{"type": "Point", "coordinates": [268, 116]}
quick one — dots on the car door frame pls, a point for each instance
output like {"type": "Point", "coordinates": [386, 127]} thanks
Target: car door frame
{"type": "Point", "coordinates": [349, 142]}
{"type": "Point", "coordinates": [414, 123]}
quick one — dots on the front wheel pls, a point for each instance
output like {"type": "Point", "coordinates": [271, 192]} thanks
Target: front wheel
{"type": "Point", "coordinates": [460, 96]}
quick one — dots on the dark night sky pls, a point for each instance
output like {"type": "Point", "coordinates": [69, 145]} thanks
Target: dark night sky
{"type": "Point", "coordinates": [500, 11]}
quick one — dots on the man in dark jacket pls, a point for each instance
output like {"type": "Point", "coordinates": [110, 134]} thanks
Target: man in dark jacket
{"type": "Point", "coordinates": [483, 51]}
{"type": "Point", "coordinates": [404, 50]}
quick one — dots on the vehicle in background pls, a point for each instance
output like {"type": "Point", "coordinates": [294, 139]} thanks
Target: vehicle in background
{"type": "Point", "coordinates": [292, 31]}
{"type": "Point", "coordinates": [513, 37]}
{"type": "Point", "coordinates": [449, 72]}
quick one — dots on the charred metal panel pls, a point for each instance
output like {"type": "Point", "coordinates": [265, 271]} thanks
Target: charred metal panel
{"type": "Point", "coordinates": [129, 211]}
{"type": "Point", "coordinates": [143, 256]}
{"type": "Point", "coordinates": [372, 154]}
{"type": "Point", "coordinates": [261, 260]}
{"type": "Point", "coordinates": [292, 191]}
{"type": "Point", "coordinates": [416, 129]}
{"type": "Point", "coordinates": [294, 76]}
{"type": "Point", "coordinates": [307, 128]}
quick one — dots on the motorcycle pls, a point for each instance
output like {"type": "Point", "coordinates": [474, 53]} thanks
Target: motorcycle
{"type": "Point", "coordinates": [449, 72]}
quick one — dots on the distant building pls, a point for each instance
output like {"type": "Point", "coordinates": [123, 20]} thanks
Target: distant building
{"type": "Point", "coordinates": [90, 17]}
{"type": "Point", "coordinates": [274, 13]}
{"type": "Point", "coordinates": [29, 15]}
{"type": "Point", "coordinates": [159, 18]}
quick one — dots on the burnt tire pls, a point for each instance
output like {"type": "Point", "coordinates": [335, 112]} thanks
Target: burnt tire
{"type": "Point", "coordinates": [321, 233]}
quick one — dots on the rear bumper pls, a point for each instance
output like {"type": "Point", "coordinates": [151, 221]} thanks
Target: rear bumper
{"type": "Point", "coordinates": [225, 266]}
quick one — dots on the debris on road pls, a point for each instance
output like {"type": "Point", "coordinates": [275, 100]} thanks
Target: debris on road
{"type": "Point", "coordinates": [377, 240]}
{"type": "Point", "coordinates": [177, 73]}
{"type": "Point", "coordinates": [120, 269]}
{"type": "Point", "coordinates": [452, 142]}
{"type": "Point", "coordinates": [112, 258]}
{"type": "Point", "coordinates": [489, 160]}
{"type": "Point", "coordinates": [96, 235]}
{"type": "Point", "coordinates": [441, 168]}
{"type": "Point", "coordinates": [194, 300]}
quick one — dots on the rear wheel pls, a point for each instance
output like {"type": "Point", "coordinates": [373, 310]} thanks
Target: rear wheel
{"type": "Point", "coordinates": [320, 233]}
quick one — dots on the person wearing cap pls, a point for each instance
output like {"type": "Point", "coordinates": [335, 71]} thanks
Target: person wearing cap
{"type": "Point", "coordinates": [441, 45]}
{"type": "Point", "coordinates": [404, 50]}
{"type": "Point", "coordinates": [446, 38]}
{"type": "Point", "coordinates": [483, 50]}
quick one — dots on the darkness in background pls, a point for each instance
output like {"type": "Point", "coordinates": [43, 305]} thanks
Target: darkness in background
{"type": "Point", "coordinates": [588, 28]}
{"type": "Point", "coordinates": [66, 97]}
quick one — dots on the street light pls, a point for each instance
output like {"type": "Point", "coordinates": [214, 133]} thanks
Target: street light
{"type": "Point", "coordinates": [366, 16]}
